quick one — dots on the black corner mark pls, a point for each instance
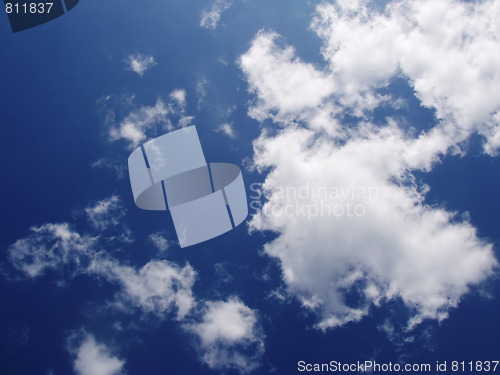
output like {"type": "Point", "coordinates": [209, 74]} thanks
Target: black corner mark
{"type": "Point", "coordinates": [25, 14]}
{"type": "Point", "coordinates": [70, 4]}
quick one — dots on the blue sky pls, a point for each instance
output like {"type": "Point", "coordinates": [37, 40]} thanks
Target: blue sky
{"type": "Point", "coordinates": [368, 137]}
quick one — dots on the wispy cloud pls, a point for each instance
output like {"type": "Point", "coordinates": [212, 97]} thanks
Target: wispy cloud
{"type": "Point", "coordinates": [105, 213]}
{"type": "Point", "coordinates": [139, 63]}
{"type": "Point", "coordinates": [138, 123]}
{"type": "Point", "coordinates": [179, 96]}
{"type": "Point", "coordinates": [211, 17]}
{"type": "Point", "coordinates": [50, 247]}
{"type": "Point", "coordinates": [227, 334]}
{"type": "Point", "coordinates": [117, 166]}
{"type": "Point", "coordinates": [157, 288]}
{"type": "Point", "coordinates": [160, 241]}
{"type": "Point", "coordinates": [227, 129]}
{"type": "Point", "coordinates": [147, 121]}
{"type": "Point", "coordinates": [201, 91]}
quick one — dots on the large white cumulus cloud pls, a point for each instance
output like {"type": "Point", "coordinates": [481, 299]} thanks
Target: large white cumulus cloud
{"type": "Point", "coordinates": [448, 50]}
{"type": "Point", "coordinates": [342, 199]}
{"type": "Point", "coordinates": [283, 82]}
{"type": "Point", "coordinates": [366, 233]}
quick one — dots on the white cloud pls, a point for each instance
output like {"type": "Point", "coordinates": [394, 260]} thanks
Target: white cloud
{"type": "Point", "coordinates": [394, 246]}
{"type": "Point", "coordinates": [159, 241]}
{"type": "Point", "coordinates": [156, 288]}
{"type": "Point", "coordinates": [223, 60]}
{"type": "Point", "coordinates": [227, 129]}
{"type": "Point", "coordinates": [50, 247]}
{"type": "Point", "coordinates": [105, 213]}
{"type": "Point", "coordinates": [139, 63]}
{"type": "Point", "coordinates": [222, 273]}
{"type": "Point", "coordinates": [179, 96]}
{"type": "Point", "coordinates": [119, 167]}
{"type": "Point", "coordinates": [93, 358]}
{"type": "Point", "coordinates": [211, 17]}
{"type": "Point", "coordinates": [281, 81]}
{"type": "Point", "coordinates": [185, 121]}
{"type": "Point", "coordinates": [201, 91]}
{"type": "Point", "coordinates": [135, 127]}
{"type": "Point", "coordinates": [229, 321]}
{"type": "Point", "coordinates": [229, 336]}
{"type": "Point", "coordinates": [150, 121]}
{"type": "Point", "coordinates": [453, 64]}
{"type": "Point", "coordinates": [368, 234]}
{"type": "Point", "coordinates": [448, 50]}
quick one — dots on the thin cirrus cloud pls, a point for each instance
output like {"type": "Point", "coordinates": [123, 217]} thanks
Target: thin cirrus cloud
{"type": "Point", "coordinates": [227, 129]}
{"type": "Point", "coordinates": [211, 17]}
{"type": "Point", "coordinates": [363, 226]}
{"type": "Point", "coordinates": [160, 241]}
{"type": "Point", "coordinates": [105, 213]}
{"type": "Point", "coordinates": [50, 247]}
{"type": "Point", "coordinates": [118, 167]}
{"type": "Point", "coordinates": [139, 63]}
{"type": "Point", "coordinates": [201, 91]}
{"type": "Point", "coordinates": [159, 289]}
